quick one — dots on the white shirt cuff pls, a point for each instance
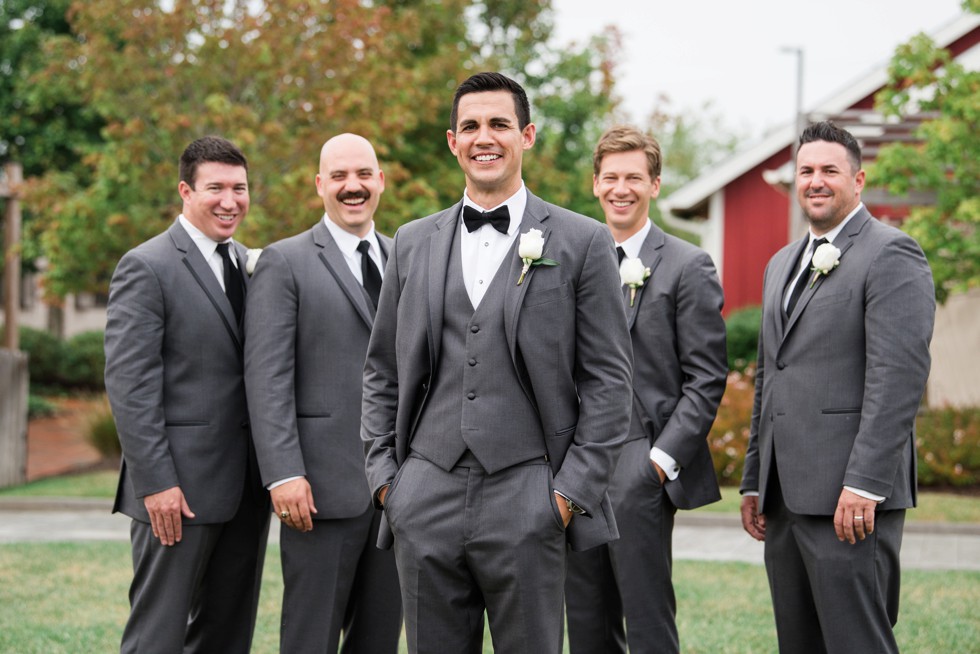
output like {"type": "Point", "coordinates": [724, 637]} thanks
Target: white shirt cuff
{"type": "Point", "coordinates": [666, 462]}
{"type": "Point", "coordinates": [750, 494]}
{"type": "Point", "coordinates": [865, 494]}
{"type": "Point", "coordinates": [275, 484]}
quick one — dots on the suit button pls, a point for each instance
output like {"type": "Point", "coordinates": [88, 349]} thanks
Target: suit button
{"type": "Point", "coordinates": [780, 364]}
{"type": "Point", "coordinates": [472, 362]}
{"type": "Point", "coordinates": [474, 328]}
{"type": "Point", "coordinates": [425, 386]}
{"type": "Point", "coordinates": [471, 396]}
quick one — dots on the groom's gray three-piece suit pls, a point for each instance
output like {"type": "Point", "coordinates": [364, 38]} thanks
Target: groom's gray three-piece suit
{"type": "Point", "coordinates": [838, 385]}
{"type": "Point", "coordinates": [309, 321]}
{"type": "Point", "coordinates": [174, 370]}
{"type": "Point", "coordinates": [474, 417]}
{"type": "Point", "coordinates": [679, 374]}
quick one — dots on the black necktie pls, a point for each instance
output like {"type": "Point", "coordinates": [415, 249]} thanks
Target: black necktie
{"type": "Point", "coordinates": [803, 279]}
{"type": "Point", "coordinates": [370, 276]}
{"type": "Point", "coordinates": [234, 284]}
{"type": "Point", "coordinates": [474, 219]}
{"type": "Point", "coordinates": [621, 253]}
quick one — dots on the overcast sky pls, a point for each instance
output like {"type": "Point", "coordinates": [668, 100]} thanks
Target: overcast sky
{"type": "Point", "coordinates": [729, 52]}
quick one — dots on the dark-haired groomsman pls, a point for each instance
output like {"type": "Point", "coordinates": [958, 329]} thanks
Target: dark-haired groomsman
{"type": "Point", "coordinates": [847, 317]}
{"type": "Point", "coordinates": [174, 376]}
{"type": "Point", "coordinates": [496, 393]}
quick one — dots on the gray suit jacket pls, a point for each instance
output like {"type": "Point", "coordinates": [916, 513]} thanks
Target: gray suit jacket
{"type": "Point", "coordinates": [838, 386]}
{"type": "Point", "coordinates": [679, 360]}
{"type": "Point", "coordinates": [567, 334]}
{"type": "Point", "coordinates": [174, 379]}
{"type": "Point", "coordinates": [308, 325]}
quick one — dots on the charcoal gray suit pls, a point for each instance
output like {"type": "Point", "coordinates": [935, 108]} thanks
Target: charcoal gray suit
{"type": "Point", "coordinates": [474, 416]}
{"type": "Point", "coordinates": [309, 321]}
{"type": "Point", "coordinates": [679, 373]}
{"type": "Point", "coordinates": [174, 380]}
{"type": "Point", "coordinates": [838, 385]}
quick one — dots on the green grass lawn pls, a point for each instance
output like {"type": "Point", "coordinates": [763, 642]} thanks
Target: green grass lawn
{"type": "Point", "coordinates": [933, 507]}
{"type": "Point", "coordinates": [71, 597]}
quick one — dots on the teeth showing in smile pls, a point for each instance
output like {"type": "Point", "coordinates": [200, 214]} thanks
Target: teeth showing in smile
{"type": "Point", "coordinates": [621, 203]}
{"type": "Point", "coordinates": [484, 158]}
{"type": "Point", "coordinates": [226, 217]}
{"type": "Point", "coordinates": [353, 202]}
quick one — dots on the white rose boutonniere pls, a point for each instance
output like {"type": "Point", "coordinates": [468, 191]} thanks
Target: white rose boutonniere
{"type": "Point", "coordinates": [253, 258]}
{"type": "Point", "coordinates": [529, 249]}
{"type": "Point", "coordinates": [825, 258]}
{"type": "Point", "coordinates": [634, 274]}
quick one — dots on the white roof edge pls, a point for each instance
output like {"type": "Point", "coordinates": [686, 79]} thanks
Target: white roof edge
{"type": "Point", "coordinates": [700, 188]}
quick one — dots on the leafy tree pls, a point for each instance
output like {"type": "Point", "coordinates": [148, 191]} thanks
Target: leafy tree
{"type": "Point", "coordinates": [924, 78]}
{"type": "Point", "coordinates": [278, 79]}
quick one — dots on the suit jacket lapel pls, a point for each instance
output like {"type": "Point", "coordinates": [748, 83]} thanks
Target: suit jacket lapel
{"type": "Point", "coordinates": [843, 242]}
{"type": "Point", "coordinates": [202, 273]}
{"type": "Point", "coordinates": [651, 258]}
{"type": "Point", "coordinates": [440, 244]}
{"type": "Point", "coordinates": [336, 264]}
{"type": "Point", "coordinates": [535, 215]}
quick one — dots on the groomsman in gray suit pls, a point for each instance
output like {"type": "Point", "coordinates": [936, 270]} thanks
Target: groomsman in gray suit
{"type": "Point", "coordinates": [312, 304]}
{"type": "Point", "coordinates": [496, 393]}
{"type": "Point", "coordinates": [673, 305]}
{"type": "Point", "coordinates": [174, 376]}
{"type": "Point", "coordinates": [843, 360]}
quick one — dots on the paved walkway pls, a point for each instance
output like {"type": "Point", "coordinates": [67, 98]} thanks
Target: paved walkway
{"type": "Point", "coordinates": [697, 536]}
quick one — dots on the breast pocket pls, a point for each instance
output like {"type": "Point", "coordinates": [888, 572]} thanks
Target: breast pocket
{"type": "Point", "coordinates": [546, 295]}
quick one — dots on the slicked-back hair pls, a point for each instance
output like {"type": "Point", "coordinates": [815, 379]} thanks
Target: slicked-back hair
{"type": "Point", "coordinates": [827, 131]}
{"type": "Point", "coordinates": [208, 149]}
{"type": "Point", "coordinates": [482, 82]}
{"type": "Point", "coordinates": [627, 139]}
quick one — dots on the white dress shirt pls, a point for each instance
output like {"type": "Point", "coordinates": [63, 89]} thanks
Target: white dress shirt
{"type": "Point", "coordinates": [209, 249]}
{"type": "Point", "coordinates": [484, 250]}
{"type": "Point", "coordinates": [631, 247]}
{"type": "Point", "coordinates": [348, 243]}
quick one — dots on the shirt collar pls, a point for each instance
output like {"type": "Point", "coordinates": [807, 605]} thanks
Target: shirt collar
{"type": "Point", "coordinates": [348, 242]}
{"type": "Point", "coordinates": [203, 242]}
{"type": "Point", "coordinates": [515, 207]}
{"type": "Point", "coordinates": [832, 234]}
{"type": "Point", "coordinates": [634, 243]}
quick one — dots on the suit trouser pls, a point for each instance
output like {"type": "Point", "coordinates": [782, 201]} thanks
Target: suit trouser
{"type": "Point", "coordinates": [336, 580]}
{"type": "Point", "coordinates": [201, 594]}
{"type": "Point", "coordinates": [830, 596]}
{"type": "Point", "coordinates": [629, 577]}
{"type": "Point", "coordinates": [467, 541]}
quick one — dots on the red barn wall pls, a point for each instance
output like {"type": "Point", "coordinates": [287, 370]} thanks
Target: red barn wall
{"type": "Point", "coordinates": [756, 224]}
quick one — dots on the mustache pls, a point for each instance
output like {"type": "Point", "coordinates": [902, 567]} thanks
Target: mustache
{"type": "Point", "coordinates": [353, 195]}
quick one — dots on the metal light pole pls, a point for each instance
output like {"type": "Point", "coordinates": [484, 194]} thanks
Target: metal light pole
{"type": "Point", "coordinates": [796, 224]}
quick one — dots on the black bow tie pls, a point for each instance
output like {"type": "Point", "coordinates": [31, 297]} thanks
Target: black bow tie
{"type": "Point", "coordinates": [474, 219]}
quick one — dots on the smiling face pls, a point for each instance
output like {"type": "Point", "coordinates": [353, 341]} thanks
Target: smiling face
{"type": "Point", "coordinates": [218, 200]}
{"type": "Point", "coordinates": [489, 145]}
{"type": "Point", "coordinates": [624, 188]}
{"type": "Point", "coordinates": [350, 182]}
{"type": "Point", "coordinates": [828, 185]}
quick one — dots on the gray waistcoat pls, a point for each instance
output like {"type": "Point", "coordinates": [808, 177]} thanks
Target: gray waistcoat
{"type": "Point", "coordinates": [476, 402]}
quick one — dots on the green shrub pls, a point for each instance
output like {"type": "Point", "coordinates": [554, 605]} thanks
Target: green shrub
{"type": "Point", "coordinates": [102, 431]}
{"type": "Point", "coordinates": [949, 447]}
{"type": "Point", "coordinates": [39, 407]}
{"type": "Point", "coordinates": [83, 365]}
{"type": "Point", "coordinates": [948, 439]}
{"type": "Point", "coordinates": [45, 353]}
{"type": "Point", "coordinates": [743, 337]}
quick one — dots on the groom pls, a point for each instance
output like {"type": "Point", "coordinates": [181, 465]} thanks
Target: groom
{"type": "Point", "coordinates": [495, 402]}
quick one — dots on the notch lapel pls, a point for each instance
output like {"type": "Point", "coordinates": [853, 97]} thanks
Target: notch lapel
{"type": "Point", "coordinates": [651, 257]}
{"type": "Point", "coordinates": [194, 261]}
{"type": "Point", "coordinates": [843, 242]}
{"type": "Point", "coordinates": [439, 251]}
{"type": "Point", "coordinates": [331, 257]}
{"type": "Point", "coordinates": [535, 213]}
